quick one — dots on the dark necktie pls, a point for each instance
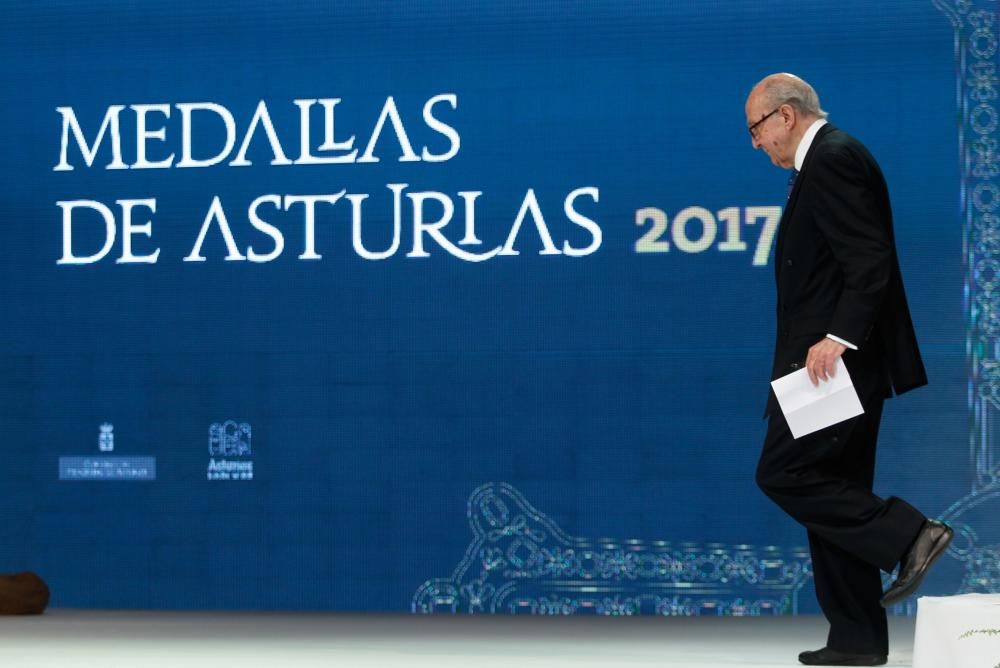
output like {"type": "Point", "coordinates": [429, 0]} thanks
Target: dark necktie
{"type": "Point", "coordinates": [791, 182]}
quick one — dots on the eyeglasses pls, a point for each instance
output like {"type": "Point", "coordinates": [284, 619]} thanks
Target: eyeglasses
{"type": "Point", "coordinates": [753, 128]}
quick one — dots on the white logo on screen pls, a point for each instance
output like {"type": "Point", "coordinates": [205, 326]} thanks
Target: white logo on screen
{"type": "Point", "coordinates": [229, 439]}
{"type": "Point", "coordinates": [230, 451]}
{"type": "Point", "coordinates": [106, 438]}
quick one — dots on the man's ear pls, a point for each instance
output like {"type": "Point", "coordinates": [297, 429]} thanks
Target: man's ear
{"type": "Point", "coordinates": [788, 113]}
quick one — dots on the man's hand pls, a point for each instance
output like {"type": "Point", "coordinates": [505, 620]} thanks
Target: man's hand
{"type": "Point", "coordinates": [822, 359]}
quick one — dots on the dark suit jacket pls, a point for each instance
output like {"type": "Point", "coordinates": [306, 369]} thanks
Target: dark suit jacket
{"type": "Point", "coordinates": [837, 271]}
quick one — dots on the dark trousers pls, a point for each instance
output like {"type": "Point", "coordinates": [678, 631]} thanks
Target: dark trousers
{"type": "Point", "coordinates": [824, 481]}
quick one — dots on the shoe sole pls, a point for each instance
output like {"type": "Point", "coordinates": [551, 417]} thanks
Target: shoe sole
{"type": "Point", "coordinates": [851, 663]}
{"type": "Point", "coordinates": [877, 661]}
{"type": "Point", "coordinates": [937, 550]}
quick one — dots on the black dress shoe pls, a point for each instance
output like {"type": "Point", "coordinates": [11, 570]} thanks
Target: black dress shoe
{"type": "Point", "coordinates": [832, 657]}
{"type": "Point", "coordinates": [930, 544]}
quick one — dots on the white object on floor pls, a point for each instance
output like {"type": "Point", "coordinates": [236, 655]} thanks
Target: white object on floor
{"type": "Point", "coordinates": [957, 631]}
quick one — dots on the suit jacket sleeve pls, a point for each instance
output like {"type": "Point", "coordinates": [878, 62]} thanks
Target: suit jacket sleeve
{"type": "Point", "coordinates": [851, 215]}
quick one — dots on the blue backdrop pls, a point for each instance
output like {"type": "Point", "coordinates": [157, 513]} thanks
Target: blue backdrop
{"type": "Point", "coordinates": [460, 307]}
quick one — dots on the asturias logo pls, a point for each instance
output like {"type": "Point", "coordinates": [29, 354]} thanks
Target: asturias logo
{"type": "Point", "coordinates": [229, 441]}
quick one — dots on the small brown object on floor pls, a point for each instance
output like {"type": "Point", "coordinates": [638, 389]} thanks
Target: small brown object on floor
{"type": "Point", "coordinates": [23, 594]}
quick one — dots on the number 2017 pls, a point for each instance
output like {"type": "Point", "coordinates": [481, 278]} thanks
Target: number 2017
{"type": "Point", "coordinates": [685, 236]}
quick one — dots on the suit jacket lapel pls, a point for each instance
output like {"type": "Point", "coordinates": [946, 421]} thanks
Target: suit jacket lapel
{"type": "Point", "coordinates": [793, 197]}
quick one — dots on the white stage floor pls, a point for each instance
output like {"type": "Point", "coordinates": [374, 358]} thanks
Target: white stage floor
{"type": "Point", "coordinates": [112, 639]}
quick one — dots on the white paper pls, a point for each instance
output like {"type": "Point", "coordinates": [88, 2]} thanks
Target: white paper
{"type": "Point", "coordinates": [809, 408]}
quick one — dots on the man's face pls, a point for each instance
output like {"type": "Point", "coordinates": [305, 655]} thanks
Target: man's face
{"type": "Point", "coordinates": [768, 131]}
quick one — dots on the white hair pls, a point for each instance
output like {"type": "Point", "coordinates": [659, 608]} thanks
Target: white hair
{"type": "Point", "coordinates": [779, 89]}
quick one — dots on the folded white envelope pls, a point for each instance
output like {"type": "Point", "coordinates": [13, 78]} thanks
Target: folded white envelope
{"type": "Point", "coordinates": [808, 408]}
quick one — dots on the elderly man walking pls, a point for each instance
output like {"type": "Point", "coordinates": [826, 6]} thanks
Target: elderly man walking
{"type": "Point", "coordinates": [840, 296]}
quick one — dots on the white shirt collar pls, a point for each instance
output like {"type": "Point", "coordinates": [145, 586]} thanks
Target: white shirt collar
{"type": "Point", "coordinates": [806, 142]}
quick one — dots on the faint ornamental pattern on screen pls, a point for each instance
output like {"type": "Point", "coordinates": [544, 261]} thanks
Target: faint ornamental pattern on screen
{"type": "Point", "coordinates": [977, 541]}
{"type": "Point", "coordinates": [521, 562]}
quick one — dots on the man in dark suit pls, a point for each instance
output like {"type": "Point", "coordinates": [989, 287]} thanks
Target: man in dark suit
{"type": "Point", "coordinates": [840, 296]}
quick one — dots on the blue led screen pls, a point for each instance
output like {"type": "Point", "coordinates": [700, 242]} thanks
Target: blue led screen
{"type": "Point", "coordinates": [459, 307]}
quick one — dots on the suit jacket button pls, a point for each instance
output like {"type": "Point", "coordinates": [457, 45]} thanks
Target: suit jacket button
{"type": "Point", "coordinates": [794, 365]}
{"type": "Point", "coordinates": [788, 262]}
